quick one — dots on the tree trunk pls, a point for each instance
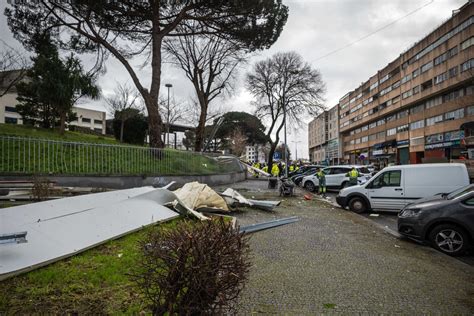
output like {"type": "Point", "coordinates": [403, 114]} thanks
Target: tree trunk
{"type": "Point", "coordinates": [273, 146]}
{"type": "Point", "coordinates": [199, 142]}
{"type": "Point", "coordinates": [62, 126]}
{"type": "Point", "coordinates": [155, 124]}
{"type": "Point", "coordinates": [122, 123]}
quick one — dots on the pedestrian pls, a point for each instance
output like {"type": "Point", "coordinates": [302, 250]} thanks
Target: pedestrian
{"type": "Point", "coordinates": [322, 182]}
{"type": "Point", "coordinates": [353, 175]}
{"type": "Point", "coordinates": [275, 170]}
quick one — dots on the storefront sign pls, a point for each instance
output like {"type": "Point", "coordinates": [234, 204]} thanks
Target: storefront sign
{"type": "Point", "coordinates": [443, 145]}
{"type": "Point", "coordinates": [403, 143]}
{"type": "Point", "coordinates": [377, 152]}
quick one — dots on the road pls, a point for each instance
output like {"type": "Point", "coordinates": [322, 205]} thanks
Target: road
{"type": "Point", "coordinates": [388, 221]}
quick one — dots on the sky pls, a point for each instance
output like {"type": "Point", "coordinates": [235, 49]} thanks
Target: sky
{"type": "Point", "coordinates": [346, 40]}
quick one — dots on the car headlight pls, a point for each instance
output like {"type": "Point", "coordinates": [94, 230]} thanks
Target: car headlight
{"type": "Point", "coordinates": [410, 212]}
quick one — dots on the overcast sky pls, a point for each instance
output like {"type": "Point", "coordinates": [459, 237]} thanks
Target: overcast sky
{"type": "Point", "coordinates": [314, 29]}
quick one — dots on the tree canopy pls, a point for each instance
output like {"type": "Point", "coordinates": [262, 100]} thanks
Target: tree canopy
{"type": "Point", "coordinates": [128, 28]}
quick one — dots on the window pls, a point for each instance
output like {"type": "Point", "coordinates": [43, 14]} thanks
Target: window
{"type": "Point", "coordinates": [391, 118]}
{"type": "Point", "coordinates": [406, 79]}
{"type": "Point", "coordinates": [396, 85]}
{"type": "Point", "coordinates": [374, 85]}
{"type": "Point", "coordinates": [470, 110]}
{"type": "Point", "coordinates": [381, 135]}
{"type": "Point", "coordinates": [453, 72]}
{"type": "Point", "coordinates": [11, 120]}
{"type": "Point", "coordinates": [426, 85]}
{"type": "Point", "coordinates": [467, 43]}
{"type": "Point", "coordinates": [372, 125]}
{"type": "Point", "coordinates": [407, 94]}
{"type": "Point", "coordinates": [417, 124]}
{"type": "Point", "coordinates": [467, 65]}
{"type": "Point", "coordinates": [426, 67]}
{"type": "Point", "coordinates": [433, 120]}
{"type": "Point", "coordinates": [98, 130]}
{"type": "Point", "coordinates": [452, 52]}
{"type": "Point", "coordinates": [434, 102]}
{"type": "Point", "coordinates": [357, 141]}
{"type": "Point", "coordinates": [402, 114]}
{"type": "Point", "coordinates": [364, 139]}
{"type": "Point", "coordinates": [417, 141]}
{"type": "Point", "coordinates": [453, 95]}
{"type": "Point", "coordinates": [440, 78]}
{"type": "Point", "coordinates": [416, 89]}
{"type": "Point", "coordinates": [454, 115]}
{"type": "Point", "coordinates": [416, 73]}
{"type": "Point", "coordinates": [396, 99]}
{"type": "Point", "coordinates": [417, 109]}
{"type": "Point", "coordinates": [384, 78]}
{"type": "Point", "coordinates": [372, 136]}
{"type": "Point", "coordinates": [391, 131]}
{"type": "Point", "coordinates": [440, 59]}
{"type": "Point", "coordinates": [98, 122]}
{"type": "Point", "coordinates": [10, 109]}
{"type": "Point", "coordinates": [86, 120]}
{"type": "Point", "coordinates": [388, 179]}
{"type": "Point", "coordinates": [380, 122]}
{"type": "Point", "coordinates": [402, 128]}
{"type": "Point", "coordinates": [364, 128]}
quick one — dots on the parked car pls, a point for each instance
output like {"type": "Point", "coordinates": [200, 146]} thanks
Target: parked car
{"type": "Point", "coordinates": [394, 187]}
{"type": "Point", "coordinates": [303, 169]}
{"type": "Point", "coordinates": [336, 177]}
{"type": "Point", "coordinates": [446, 221]}
{"type": "Point", "coordinates": [297, 178]}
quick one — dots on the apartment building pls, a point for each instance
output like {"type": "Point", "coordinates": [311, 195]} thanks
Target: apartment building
{"type": "Point", "coordinates": [323, 137]}
{"type": "Point", "coordinates": [420, 107]}
{"type": "Point", "coordinates": [87, 118]}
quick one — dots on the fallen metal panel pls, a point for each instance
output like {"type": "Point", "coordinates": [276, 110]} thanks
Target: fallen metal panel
{"type": "Point", "coordinates": [264, 205]}
{"type": "Point", "coordinates": [61, 228]}
{"type": "Point", "coordinates": [265, 225]}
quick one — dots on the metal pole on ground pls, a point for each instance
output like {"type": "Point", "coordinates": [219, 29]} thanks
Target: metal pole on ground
{"type": "Point", "coordinates": [168, 85]}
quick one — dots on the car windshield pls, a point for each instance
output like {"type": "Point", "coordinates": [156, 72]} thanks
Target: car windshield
{"type": "Point", "coordinates": [363, 170]}
{"type": "Point", "coordinates": [460, 192]}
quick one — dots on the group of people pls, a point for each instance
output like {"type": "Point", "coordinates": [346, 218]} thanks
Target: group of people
{"type": "Point", "coordinates": [353, 174]}
{"type": "Point", "coordinates": [277, 169]}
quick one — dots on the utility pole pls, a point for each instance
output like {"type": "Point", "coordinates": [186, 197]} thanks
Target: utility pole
{"type": "Point", "coordinates": [168, 85]}
{"type": "Point", "coordinates": [296, 142]}
{"type": "Point", "coordinates": [286, 146]}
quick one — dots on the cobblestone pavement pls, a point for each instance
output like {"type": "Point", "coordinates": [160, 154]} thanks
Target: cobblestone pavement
{"type": "Point", "coordinates": [336, 262]}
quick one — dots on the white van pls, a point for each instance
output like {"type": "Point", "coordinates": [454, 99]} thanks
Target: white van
{"type": "Point", "coordinates": [394, 187]}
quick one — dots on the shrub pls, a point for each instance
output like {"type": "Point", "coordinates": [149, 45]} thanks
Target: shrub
{"type": "Point", "coordinates": [193, 269]}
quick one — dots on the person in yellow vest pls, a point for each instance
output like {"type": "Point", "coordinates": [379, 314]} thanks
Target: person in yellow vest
{"type": "Point", "coordinates": [292, 167]}
{"type": "Point", "coordinates": [265, 169]}
{"type": "Point", "coordinates": [256, 165]}
{"type": "Point", "coordinates": [275, 170]}
{"type": "Point", "coordinates": [353, 175]}
{"type": "Point", "coordinates": [322, 181]}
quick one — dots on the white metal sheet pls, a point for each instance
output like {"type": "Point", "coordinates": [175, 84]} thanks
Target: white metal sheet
{"type": "Point", "coordinates": [61, 228]}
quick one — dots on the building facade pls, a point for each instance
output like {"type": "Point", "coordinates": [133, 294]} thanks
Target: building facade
{"type": "Point", "coordinates": [323, 137]}
{"type": "Point", "coordinates": [419, 107]}
{"type": "Point", "coordinates": [90, 119]}
{"type": "Point", "coordinates": [256, 153]}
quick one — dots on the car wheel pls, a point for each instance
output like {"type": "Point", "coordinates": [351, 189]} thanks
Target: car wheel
{"type": "Point", "coordinates": [450, 239]}
{"type": "Point", "coordinates": [357, 205]}
{"type": "Point", "coordinates": [309, 185]}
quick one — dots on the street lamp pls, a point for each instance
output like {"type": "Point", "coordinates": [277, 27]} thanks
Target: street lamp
{"type": "Point", "coordinates": [168, 85]}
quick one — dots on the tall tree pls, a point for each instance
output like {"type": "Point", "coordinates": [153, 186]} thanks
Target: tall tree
{"type": "Point", "coordinates": [285, 87]}
{"type": "Point", "coordinates": [209, 62]}
{"type": "Point", "coordinates": [53, 86]}
{"type": "Point", "coordinates": [123, 105]}
{"type": "Point", "coordinates": [126, 29]}
{"type": "Point", "coordinates": [13, 67]}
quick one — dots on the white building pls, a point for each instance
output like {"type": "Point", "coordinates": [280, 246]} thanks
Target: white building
{"type": "Point", "coordinates": [91, 119]}
{"type": "Point", "coordinates": [255, 153]}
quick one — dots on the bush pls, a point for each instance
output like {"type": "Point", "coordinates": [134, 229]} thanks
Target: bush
{"type": "Point", "coordinates": [194, 269]}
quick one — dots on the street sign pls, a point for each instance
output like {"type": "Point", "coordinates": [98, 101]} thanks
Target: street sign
{"type": "Point", "coordinates": [276, 155]}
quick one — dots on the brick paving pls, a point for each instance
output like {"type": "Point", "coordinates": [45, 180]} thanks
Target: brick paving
{"type": "Point", "coordinates": [335, 262]}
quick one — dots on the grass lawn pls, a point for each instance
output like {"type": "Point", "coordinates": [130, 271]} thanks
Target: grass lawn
{"type": "Point", "coordinates": [94, 282]}
{"type": "Point", "coordinates": [34, 132]}
{"type": "Point", "coordinates": [94, 155]}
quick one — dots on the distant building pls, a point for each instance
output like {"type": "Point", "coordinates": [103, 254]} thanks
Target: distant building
{"type": "Point", "coordinates": [90, 119]}
{"type": "Point", "coordinates": [255, 153]}
{"type": "Point", "coordinates": [323, 137]}
{"type": "Point", "coordinates": [420, 107]}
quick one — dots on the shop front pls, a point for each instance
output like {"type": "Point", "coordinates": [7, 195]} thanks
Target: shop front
{"type": "Point", "coordinates": [444, 146]}
{"type": "Point", "coordinates": [384, 154]}
{"type": "Point", "coordinates": [403, 152]}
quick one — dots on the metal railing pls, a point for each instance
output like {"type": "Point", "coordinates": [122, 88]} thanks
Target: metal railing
{"type": "Point", "coordinates": [20, 155]}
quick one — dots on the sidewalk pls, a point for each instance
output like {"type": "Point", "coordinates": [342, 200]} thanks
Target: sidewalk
{"type": "Point", "coordinates": [334, 261]}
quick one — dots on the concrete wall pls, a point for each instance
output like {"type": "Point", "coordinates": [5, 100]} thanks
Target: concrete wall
{"type": "Point", "coordinates": [125, 182]}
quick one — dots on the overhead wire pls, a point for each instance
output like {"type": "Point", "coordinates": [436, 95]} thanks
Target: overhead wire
{"type": "Point", "coordinates": [374, 32]}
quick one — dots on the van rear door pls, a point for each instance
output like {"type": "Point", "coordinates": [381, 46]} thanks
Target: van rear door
{"type": "Point", "coordinates": [387, 191]}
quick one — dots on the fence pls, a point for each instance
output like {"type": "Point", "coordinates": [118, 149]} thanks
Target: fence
{"type": "Point", "coordinates": [21, 155]}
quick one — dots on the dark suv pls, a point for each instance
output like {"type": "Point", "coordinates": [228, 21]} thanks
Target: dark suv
{"type": "Point", "coordinates": [446, 221]}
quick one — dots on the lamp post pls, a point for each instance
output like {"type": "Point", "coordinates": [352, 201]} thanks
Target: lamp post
{"type": "Point", "coordinates": [296, 142]}
{"type": "Point", "coordinates": [168, 85]}
{"type": "Point", "coordinates": [286, 146]}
